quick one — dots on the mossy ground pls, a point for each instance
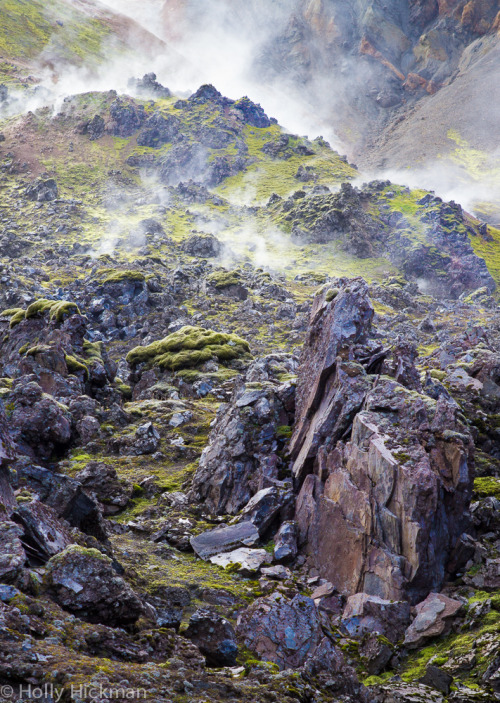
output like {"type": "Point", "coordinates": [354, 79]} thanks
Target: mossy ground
{"type": "Point", "coordinates": [31, 28]}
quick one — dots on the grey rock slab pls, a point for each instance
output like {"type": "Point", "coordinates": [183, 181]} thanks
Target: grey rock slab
{"type": "Point", "coordinates": [249, 560]}
{"type": "Point", "coordinates": [224, 539]}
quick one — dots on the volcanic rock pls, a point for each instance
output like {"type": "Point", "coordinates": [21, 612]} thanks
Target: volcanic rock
{"type": "Point", "coordinates": [285, 542]}
{"type": "Point", "coordinates": [248, 561]}
{"type": "Point", "coordinates": [288, 633]}
{"type": "Point", "coordinates": [224, 539]}
{"type": "Point", "coordinates": [364, 613]}
{"type": "Point", "coordinates": [434, 617]}
{"type": "Point", "coordinates": [214, 636]}
{"type": "Point", "coordinates": [378, 506]}
{"type": "Point", "coordinates": [241, 457]}
{"type": "Point", "coordinates": [42, 190]}
{"type": "Point", "coordinates": [12, 554]}
{"type": "Point", "coordinates": [84, 582]}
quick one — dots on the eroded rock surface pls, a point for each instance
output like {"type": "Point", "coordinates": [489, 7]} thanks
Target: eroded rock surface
{"type": "Point", "coordinates": [385, 496]}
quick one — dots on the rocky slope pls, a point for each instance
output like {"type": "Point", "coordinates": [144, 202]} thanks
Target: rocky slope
{"type": "Point", "coordinates": [372, 68]}
{"type": "Point", "coordinates": [249, 413]}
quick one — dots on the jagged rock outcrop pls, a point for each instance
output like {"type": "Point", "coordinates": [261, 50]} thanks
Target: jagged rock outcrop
{"type": "Point", "coordinates": [242, 456]}
{"type": "Point", "coordinates": [386, 471]}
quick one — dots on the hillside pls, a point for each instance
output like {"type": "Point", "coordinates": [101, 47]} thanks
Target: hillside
{"type": "Point", "coordinates": [249, 395]}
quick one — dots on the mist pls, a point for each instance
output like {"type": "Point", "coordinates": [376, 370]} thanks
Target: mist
{"type": "Point", "coordinates": [266, 50]}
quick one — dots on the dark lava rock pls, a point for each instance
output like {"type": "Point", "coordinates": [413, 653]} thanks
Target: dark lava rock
{"type": "Point", "coordinates": [84, 582]}
{"type": "Point", "coordinates": [95, 128]}
{"type": "Point", "coordinates": [126, 118]}
{"type": "Point", "coordinates": [40, 424]}
{"type": "Point", "coordinates": [402, 471]}
{"type": "Point", "coordinates": [241, 457]}
{"type": "Point", "coordinates": [214, 636]}
{"type": "Point", "coordinates": [158, 130]}
{"type": "Point", "coordinates": [253, 114]}
{"type": "Point", "coordinates": [12, 554]}
{"type": "Point", "coordinates": [437, 678]}
{"type": "Point", "coordinates": [66, 496]}
{"type": "Point", "coordinates": [44, 534]}
{"type": "Point", "coordinates": [148, 87]}
{"type": "Point", "coordinates": [285, 542]}
{"type": "Point", "coordinates": [264, 508]}
{"type": "Point", "coordinates": [288, 633]}
{"type": "Point", "coordinates": [364, 613]}
{"type": "Point", "coordinates": [207, 93]}
{"type": "Point", "coordinates": [101, 481]}
{"type": "Point", "coordinates": [204, 246]}
{"type": "Point", "coordinates": [7, 499]}
{"type": "Point", "coordinates": [42, 190]}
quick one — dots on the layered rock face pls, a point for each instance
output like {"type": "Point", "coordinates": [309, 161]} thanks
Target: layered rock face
{"type": "Point", "coordinates": [385, 470]}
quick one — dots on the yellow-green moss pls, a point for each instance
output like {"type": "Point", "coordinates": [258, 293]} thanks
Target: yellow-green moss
{"type": "Point", "coordinates": [57, 309]}
{"type": "Point", "coordinates": [119, 276]}
{"type": "Point", "coordinates": [224, 279]}
{"type": "Point", "coordinates": [190, 346]}
{"type": "Point", "coordinates": [486, 486]}
{"type": "Point", "coordinates": [75, 365]}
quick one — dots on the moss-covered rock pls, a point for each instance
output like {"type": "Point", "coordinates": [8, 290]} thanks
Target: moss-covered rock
{"type": "Point", "coordinates": [120, 276]}
{"type": "Point", "coordinates": [189, 347]}
{"type": "Point", "coordinates": [56, 309]}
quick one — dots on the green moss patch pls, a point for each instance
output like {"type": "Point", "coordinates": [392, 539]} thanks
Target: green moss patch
{"type": "Point", "coordinates": [189, 347]}
{"type": "Point", "coordinates": [485, 486]}
{"type": "Point", "coordinates": [118, 276]}
{"type": "Point", "coordinates": [56, 309]}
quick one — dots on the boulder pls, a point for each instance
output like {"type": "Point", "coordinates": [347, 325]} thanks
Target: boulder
{"type": "Point", "coordinates": [147, 439]}
{"type": "Point", "coordinates": [264, 508]}
{"type": "Point", "coordinates": [65, 496]}
{"type": "Point", "coordinates": [125, 117]}
{"type": "Point", "coordinates": [42, 190]}
{"type": "Point", "coordinates": [214, 636]}
{"type": "Point", "coordinates": [253, 114]}
{"type": "Point", "coordinates": [376, 653]}
{"type": "Point", "coordinates": [364, 613]}
{"type": "Point", "coordinates": [101, 481]}
{"type": "Point", "coordinates": [204, 246]}
{"type": "Point", "coordinates": [285, 542]}
{"type": "Point", "coordinates": [487, 578]}
{"type": "Point", "coordinates": [158, 130]}
{"type": "Point", "coordinates": [85, 582]}
{"type": "Point", "coordinates": [434, 617]}
{"type": "Point", "coordinates": [328, 394]}
{"type": "Point", "coordinates": [7, 499]}
{"type": "Point", "coordinates": [278, 572]}
{"type": "Point", "coordinates": [149, 87]}
{"type": "Point", "coordinates": [224, 539]}
{"type": "Point", "coordinates": [288, 632]}
{"type": "Point", "coordinates": [248, 561]}
{"type": "Point", "coordinates": [44, 534]}
{"type": "Point", "coordinates": [39, 423]}
{"type": "Point", "coordinates": [169, 603]}
{"type": "Point", "coordinates": [437, 678]}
